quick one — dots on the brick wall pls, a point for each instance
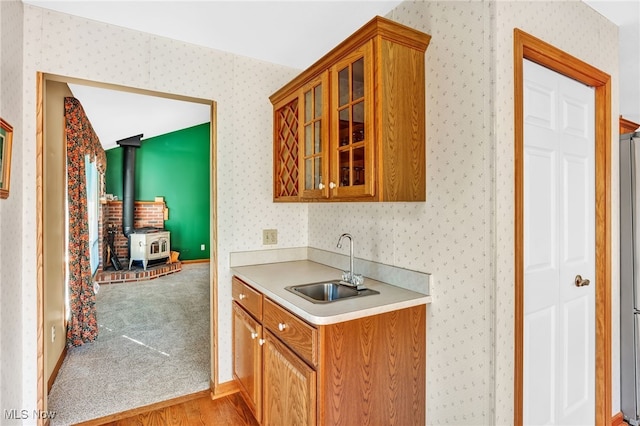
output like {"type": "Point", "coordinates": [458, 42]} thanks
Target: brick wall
{"type": "Point", "coordinates": [145, 214]}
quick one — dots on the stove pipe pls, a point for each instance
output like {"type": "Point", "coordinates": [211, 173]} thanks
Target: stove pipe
{"type": "Point", "coordinates": [128, 180]}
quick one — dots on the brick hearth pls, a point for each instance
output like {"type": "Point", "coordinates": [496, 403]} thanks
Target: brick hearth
{"type": "Point", "coordinates": [146, 214]}
{"type": "Point", "coordinates": [137, 273]}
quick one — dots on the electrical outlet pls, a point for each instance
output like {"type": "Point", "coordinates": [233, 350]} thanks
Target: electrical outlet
{"type": "Point", "coordinates": [202, 247]}
{"type": "Point", "coordinates": [53, 333]}
{"type": "Point", "coordinates": [269, 236]}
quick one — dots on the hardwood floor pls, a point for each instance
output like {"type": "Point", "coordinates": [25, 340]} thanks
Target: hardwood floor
{"type": "Point", "coordinates": [193, 410]}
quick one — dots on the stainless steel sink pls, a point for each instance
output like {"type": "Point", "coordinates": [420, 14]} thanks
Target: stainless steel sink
{"type": "Point", "coordinates": [326, 292]}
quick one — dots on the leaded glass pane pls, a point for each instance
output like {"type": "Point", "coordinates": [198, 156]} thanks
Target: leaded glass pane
{"type": "Point", "coordinates": [358, 166]}
{"type": "Point", "coordinates": [308, 105]}
{"type": "Point", "coordinates": [357, 85]}
{"type": "Point", "coordinates": [308, 140]}
{"type": "Point", "coordinates": [345, 178]}
{"type": "Point", "coordinates": [318, 137]}
{"type": "Point", "coordinates": [343, 86]}
{"type": "Point", "coordinates": [308, 174]}
{"type": "Point", "coordinates": [343, 127]}
{"type": "Point", "coordinates": [358, 122]}
{"type": "Point", "coordinates": [317, 171]}
{"type": "Point", "coordinates": [318, 101]}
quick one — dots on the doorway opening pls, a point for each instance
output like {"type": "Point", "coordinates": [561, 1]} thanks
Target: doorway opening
{"type": "Point", "coordinates": [50, 202]}
{"type": "Point", "coordinates": [542, 53]}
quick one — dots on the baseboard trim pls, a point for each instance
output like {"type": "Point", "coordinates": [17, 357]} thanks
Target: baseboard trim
{"type": "Point", "coordinates": [141, 410]}
{"type": "Point", "coordinates": [195, 261]}
{"type": "Point", "coordinates": [618, 420]}
{"type": "Point", "coordinates": [56, 370]}
{"type": "Point", "coordinates": [224, 389]}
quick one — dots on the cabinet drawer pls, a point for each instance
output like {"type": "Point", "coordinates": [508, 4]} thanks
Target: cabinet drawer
{"type": "Point", "coordinates": [295, 333]}
{"type": "Point", "coordinates": [247, 297]}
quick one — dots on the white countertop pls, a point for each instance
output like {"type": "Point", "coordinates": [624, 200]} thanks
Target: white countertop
{"type": "Point", "coordinates": [271, 280]}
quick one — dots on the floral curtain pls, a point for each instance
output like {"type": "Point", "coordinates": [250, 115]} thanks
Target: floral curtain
{"type": "Point", "coordinates": [81, 141]}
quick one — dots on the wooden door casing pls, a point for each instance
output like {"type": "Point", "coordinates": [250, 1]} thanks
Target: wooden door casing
{"type": "Point", "coordinates": [528, 47]}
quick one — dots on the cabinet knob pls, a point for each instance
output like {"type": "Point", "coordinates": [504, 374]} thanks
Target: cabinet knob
{"type": "Point", "coordinates": [242, 296]}
{"type": "Point", "coordinates": [332, 185]}
{"type": "Point", "coordinates": [282, 326]}
{"type": "Point", "coordinates": [261, 342]}
{"type": "Point", "coordinates": [321, 186]}
{"type": "Point", "coordinates": [253, 335]}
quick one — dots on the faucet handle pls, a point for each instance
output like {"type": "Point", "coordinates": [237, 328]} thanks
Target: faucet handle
{"type": "Point", "coordinates": [357, 280]}
{"type": "Point", "coordinates": [346, 276]}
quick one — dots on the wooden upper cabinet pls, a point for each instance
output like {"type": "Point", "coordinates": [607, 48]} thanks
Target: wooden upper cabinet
{"type": "Point", "coordinates": [285, 149]}
{"type": "Point", "coordinates": [627, 126]}
{"type": "Point", "coordinates": [315, 138]}
{"type": "Point", "coordinates": [352, 150]}
{"type": "Point", "coordinates": [359, 128]}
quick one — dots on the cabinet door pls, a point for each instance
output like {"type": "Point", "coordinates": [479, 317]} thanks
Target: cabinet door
{"type": "Point", "coordinates": [247, 358]}
{"type": "Point", "coordinates": [286, 129]}
{"type": "Point", "coordinates": [314, 148]}
{"type": "Point", "coordinates": [289, 386]}
{"type": "Point", "coordinates": [352, 135]}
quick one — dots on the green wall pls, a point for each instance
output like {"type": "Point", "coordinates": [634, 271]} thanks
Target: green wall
{"type": "Point", "coordinates": [176, 167]}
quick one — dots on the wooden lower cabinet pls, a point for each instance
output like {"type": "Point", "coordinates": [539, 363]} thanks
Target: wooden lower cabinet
{"type": "Point", "coordinates": [247, 358]}
{"type": "Point", "coordinates": [373, 370]}
{"type": "Point", "coordinates": [289, 395]}
{"type": "Point", "coordinates": [370, 370]}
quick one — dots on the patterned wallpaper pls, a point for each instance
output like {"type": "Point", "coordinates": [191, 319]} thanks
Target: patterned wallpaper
{"type": "Point", "coordinates": [449, 235]}
{"type": "Point", "coordinates": [579, 30]}
{"type": "Point", "coordinates": [462, 234]}
{"type": "Point", "coordinates": [70, 46]}
{"type": "Point", "coordinates": [12, 293]}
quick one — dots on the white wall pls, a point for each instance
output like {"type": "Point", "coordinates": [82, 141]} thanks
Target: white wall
{"type": "Point", "coordinates": [66, 45]}
{"type": "Point", "coordinates": [449, 235]}
{"type": "Point", "coordinates": [13, 368]}
{"type": "Point", "coordinates": [577, 29]}
{"type": "Point", "coordinates": [463, 234]}
{"type": "Point", "coordinates": [630, 70]}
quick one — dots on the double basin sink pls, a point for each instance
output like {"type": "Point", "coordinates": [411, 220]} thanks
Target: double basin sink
{"type": "Point", "coordinates": [327, 292]}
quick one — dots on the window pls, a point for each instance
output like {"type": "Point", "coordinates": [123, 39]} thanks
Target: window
{"type": "Point", "coordinates": [92, 207]}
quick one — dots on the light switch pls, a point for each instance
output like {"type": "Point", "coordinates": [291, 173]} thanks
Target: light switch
{"type": "Point", "coordinates": [269, 236]}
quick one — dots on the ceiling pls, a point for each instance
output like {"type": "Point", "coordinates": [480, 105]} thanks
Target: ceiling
{"type": "Point", "coordinates": [265, 33]}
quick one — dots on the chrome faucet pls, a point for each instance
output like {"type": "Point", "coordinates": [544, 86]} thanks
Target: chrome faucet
{"type": "Point", "coordinates": [350, 278]}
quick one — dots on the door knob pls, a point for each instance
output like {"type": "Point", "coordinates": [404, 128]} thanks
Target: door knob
{"type": "Point", "coordinates": [332, 185]}
{"type": "Point", "coordinates": [580, 282]}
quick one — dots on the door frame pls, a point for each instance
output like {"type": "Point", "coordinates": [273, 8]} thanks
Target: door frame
{"type": "Point", "coordinates": [41, 78]}
{"type": "Point", "coordinates": [526, 46]}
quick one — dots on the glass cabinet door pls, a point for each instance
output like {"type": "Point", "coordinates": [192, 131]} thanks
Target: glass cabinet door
{"type": "Point", "coordinates": [314, 164]}
{"type": "Point", "coordinates": [352, 109]}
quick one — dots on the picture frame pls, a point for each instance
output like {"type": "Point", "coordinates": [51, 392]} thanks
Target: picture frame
{"type": "Point", "coordinates": [6, 141]}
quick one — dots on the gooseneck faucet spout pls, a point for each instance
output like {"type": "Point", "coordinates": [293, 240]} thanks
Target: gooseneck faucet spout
{"type": "Point", "coordinates": [339, 245]}
{"type": "Point", "coordinates": [351, 277]}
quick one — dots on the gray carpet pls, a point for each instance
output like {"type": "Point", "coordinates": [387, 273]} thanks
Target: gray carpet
{"type": "Point", "coordinates": [153, 345]}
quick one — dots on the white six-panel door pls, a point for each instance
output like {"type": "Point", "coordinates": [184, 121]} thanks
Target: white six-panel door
{"type": "Point", "coordinates": [559, 244]}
